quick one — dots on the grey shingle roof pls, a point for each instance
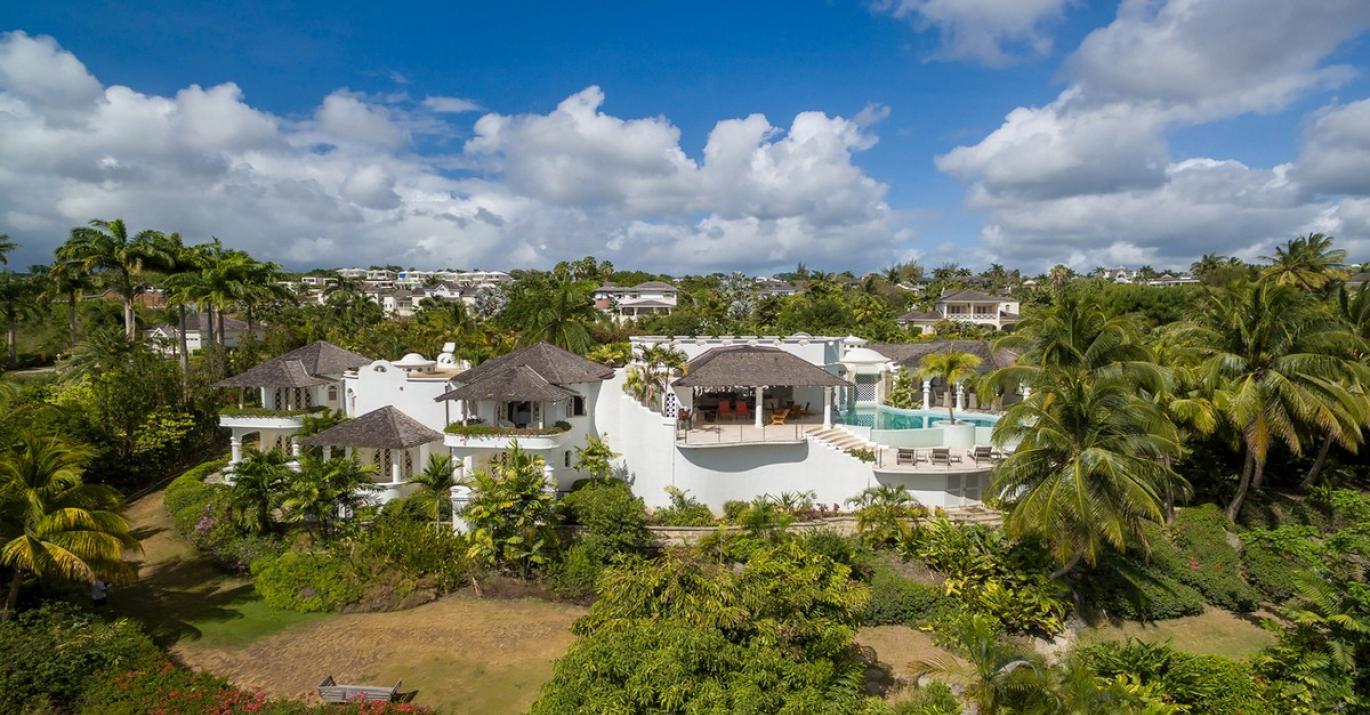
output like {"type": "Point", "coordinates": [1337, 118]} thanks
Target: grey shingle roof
{"type": "Point", "coordinates": [517, 382]}
{"type": "Point", "coordinates": [753, 365]}
{"type": "Point", "coordinates": [313, 361]}
{"type": "Point", "coordinates": [386, 428]}
{"type": "Point", "coordinates": [654, 285]}
{"type": "Point", "coordinates": [555, 365]}
{"type": "Point", "coordinates": [919, 315]}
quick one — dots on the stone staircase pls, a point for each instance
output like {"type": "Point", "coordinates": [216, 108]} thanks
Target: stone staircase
{"type": "Point", "coordinates": [837, 438]}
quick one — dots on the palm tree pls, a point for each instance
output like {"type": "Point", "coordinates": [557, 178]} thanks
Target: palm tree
{"type": "Point", "coordinates": [182, 263]}
{"type": "Point", "coordinates": [437, 480]}
{"type": "Point", "coordinates": [1308, 262]}
{"type": "Point", "coordinates": [6, 247]}
{"type": "Point", "coordinates": [69, 279]}
{"type": "Point", "coordinates": [1091, 466]}
{"type": "Point", "coordinates": [563, 319]}
{"type": "Point", "coordinates": [105, 247]}
{"type": "Point", "coordinates": [996, 674]}
{"type": "Point", "coordinates": [257, 481]}
{"type": "Point", "coordinates": [1075, 332]}
{"type": "Point", "coordinates": [1351, 309]}
{"type": "Point", "coordinates": [261, 285]}
{"type": "Point", "coordinates": [52, 523]}
{"type": "Point", "coordinates": [951, 368]}
{"type": "Point", "coordinates": [1273, 361]}
{"type": "Point", "coordinates": [18, 300]}
{"type": "Point", "coordinates": [1182, 398]}
{"type": "Point", "coordinates": [322, 489]}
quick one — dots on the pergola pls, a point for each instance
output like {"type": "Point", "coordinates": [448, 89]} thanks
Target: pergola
{"type": "Point", "coordinates": [759, 367]}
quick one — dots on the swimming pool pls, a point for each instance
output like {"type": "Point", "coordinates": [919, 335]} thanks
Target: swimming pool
{"type": "Point", "coordinates": [889, 418]}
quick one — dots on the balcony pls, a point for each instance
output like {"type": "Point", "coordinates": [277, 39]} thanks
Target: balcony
{"type": "Point", "coordinates": [483, 436]}
{"type": "Point", "coordinates": [265, 418]}
{"type": "Point", "coordinates": [709, 435]}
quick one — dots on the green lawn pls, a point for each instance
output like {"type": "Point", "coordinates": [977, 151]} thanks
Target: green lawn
{"type": "Point", "coordinates": [1213, 632]}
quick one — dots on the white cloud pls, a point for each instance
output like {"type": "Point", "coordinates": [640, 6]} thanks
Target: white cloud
{"type": "Point", "coordinates": [1090, 174]}
{"type": "Point", "coordinates": [1336, 152]}
{"type": "Point", "coordinates": [995, 32]}
{"type": "Point", "coordinates": [450, 105]}
{"type": "Point", "coordinates": [346, 185]}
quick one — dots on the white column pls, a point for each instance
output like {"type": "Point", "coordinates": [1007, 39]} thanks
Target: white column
{"type": "Point", "coordinates": [549, 479]}
{"type": "Point", "coordinates": [827, 408]}
{"type": "Point", "coordinates": [461, 496]}
{"type": "Point", "coordinates": [295, 447]}
{"type": "Point", "coordinates": [235, 445]}
{"type": "Point", "coordinates": [960, 397]}
{"type": "Point", "coordinates": [395, 472]}
{"type": "Point", "coordinates": [760, 397]}
{"type": "Point", "coordinates": [327, 452]}
{"type": "Point", "coordinates": [927, 394]}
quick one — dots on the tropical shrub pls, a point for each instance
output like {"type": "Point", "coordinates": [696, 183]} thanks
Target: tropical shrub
{"type": "Point", "coordinates": [684, 510]}
{"type": "Point", "coordinates": [574, 575]}
{"type": "Point", "coordinates": [613, 520]}
{"type": "Point", "coordinates": [435, 556]}
{"type": "Point", "coordinates": [989, 574]}
{"type": "Point", "coordinates": [692, 636]}
{"type": "Point", "coordinates": [1198, 555]}
{"type": "Point", "coordinates": [841, 549]}
{"type": "Point", "coordinates": [307, 581]}
{"type": "Point", "coordinates": [884, 513]}
{"type": "Point", "coordinates": [1127, 587]}
{"type": "Point", "coordinates": [1195, 683]}
{"type": "Point", "coordinates": [165, 688]}
{"type": "Point", "coordinates": [733, 509]}
{"type": "Point", "coordinates": [1275, 558]}
{"type": "Point", "coordinates": [52, 652]}
{"type": "Point", "coordinates": [896, 600]}
{"type": "Point", "coordinates": [935, 698]}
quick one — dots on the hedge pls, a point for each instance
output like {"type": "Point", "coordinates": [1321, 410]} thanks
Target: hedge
{"type": "Point", "coordinates": [896, 600]}
{"type": "Point", "coordinates": [1198, 555]}
{"type": "Point", "coordinates": [307, 581]}
{"type": "Point", "coordinates": [1273, 558]}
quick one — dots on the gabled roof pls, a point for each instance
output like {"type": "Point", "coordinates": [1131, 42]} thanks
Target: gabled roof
{"type": "Point", "coordinates": [971, 296]}
{"type": "Point", "coordinates": [299, 367]}
{"type": "Point", "coordinates": [754, 365]}
{"type": "Point", "coordinates": [386, 428]}
{"type": "Point", "coordinates": [909, 355]}
{"type": "Point", "coordinates": [919, 316]}
{"type": "Point", "coordinates": [654, 285]}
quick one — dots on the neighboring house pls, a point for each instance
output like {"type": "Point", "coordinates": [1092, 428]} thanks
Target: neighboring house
{"type": "Point", "coordinates": [1170, 280]}
{"type": "Point", "coordinates": [771, 287]}
{"type": "Point", "coordinates": [1357, 280]}
{"type": "Point", "coordinates": [1120, 274]}
{"type": "Point", "coordinates": [167, 338]}
{"type": "Point", "coordinates": [351, 273]}
{"type": "Point", "coordinates": [317, 282]}
{"type": "Point", "coordinates": [641, 300]}
{"type": "Point", "coordinates": [909, 356]}
{"type": "Point", "coordinates": [965, 306]}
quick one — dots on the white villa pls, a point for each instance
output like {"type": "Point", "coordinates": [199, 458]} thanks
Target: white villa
{"type": "Point", "coordinates": [167, 338]}
{"type": "Point", "coordinates": [748, 415]}
{"type": "Point", "coordinates": [965, 306]}
{"type": "Point", "coordinates": [643, 299]}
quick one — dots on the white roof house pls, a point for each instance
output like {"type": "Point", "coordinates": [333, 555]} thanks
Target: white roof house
{"type": "Point", "coordinates": [641, 300]}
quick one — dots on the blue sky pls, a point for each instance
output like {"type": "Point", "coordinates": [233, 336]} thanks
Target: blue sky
{"type": "Point", "coordinates": [1075, 132]}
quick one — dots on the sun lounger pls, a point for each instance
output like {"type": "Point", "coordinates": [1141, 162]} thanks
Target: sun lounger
{"type": "Point", "coordinates": [944, 457]}
{"type": "Point", "coordinates": [983, 454]}
{"type": "Point", "coordinates": [906, 456]}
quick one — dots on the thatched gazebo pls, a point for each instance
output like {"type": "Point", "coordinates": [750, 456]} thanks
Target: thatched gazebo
{"type": "Point", "coordinates": [759, 367]}
{"type": "Point", "coordinates": [397, 444]}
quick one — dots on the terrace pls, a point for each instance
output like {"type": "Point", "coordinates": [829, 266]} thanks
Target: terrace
{"type": "Point", "coordinates": [778, 393]}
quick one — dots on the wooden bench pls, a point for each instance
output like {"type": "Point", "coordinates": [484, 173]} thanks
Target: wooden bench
{"type": "Point", "coordinates": [331, 692]}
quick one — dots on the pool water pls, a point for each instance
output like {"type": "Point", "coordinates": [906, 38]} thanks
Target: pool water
{"type": "Point", "coordinates": [887, 418]}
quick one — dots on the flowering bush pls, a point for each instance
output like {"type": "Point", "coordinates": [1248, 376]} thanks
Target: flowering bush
{"type": "Point", "coordinates": [168, 689]}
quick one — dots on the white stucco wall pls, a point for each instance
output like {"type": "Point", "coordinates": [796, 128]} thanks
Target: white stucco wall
{"type": "Point", "coordinates": [379, 384]}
